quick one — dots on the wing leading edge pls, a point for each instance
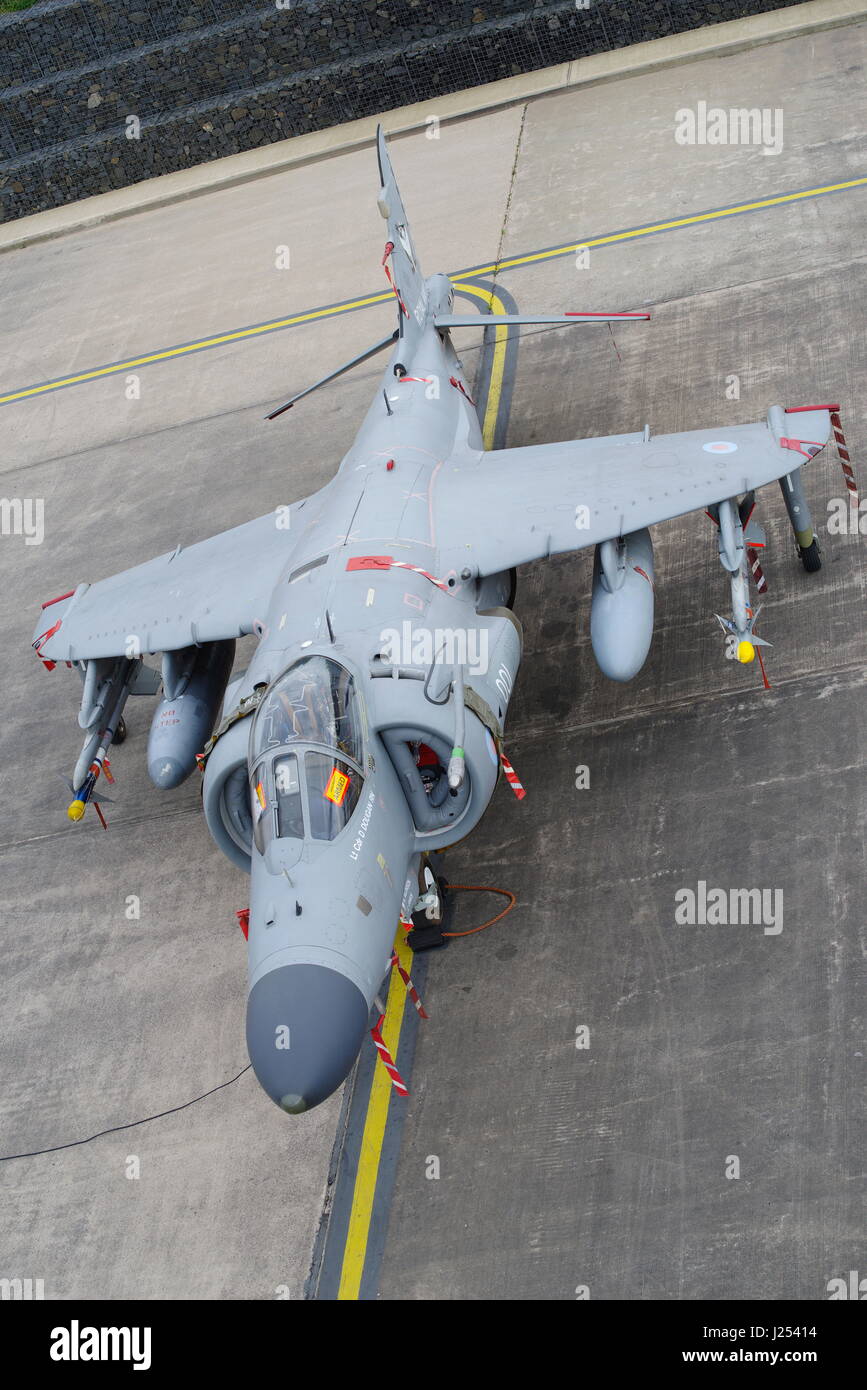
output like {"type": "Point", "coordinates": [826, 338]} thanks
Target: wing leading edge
{"type": "Point", "coordinates": [544, 499]}
{"type": "Point", "coordinates": [213, 590]}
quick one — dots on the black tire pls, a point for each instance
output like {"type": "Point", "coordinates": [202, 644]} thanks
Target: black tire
{"type": "Point", "coordinates": [513, 589]}
{"type": "Point", "coordinates": [811, 559]}
{"type": "Point", "coordinates": [120, 731]}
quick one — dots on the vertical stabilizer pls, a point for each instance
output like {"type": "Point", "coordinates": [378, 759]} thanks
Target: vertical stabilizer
{"type": "Point", "coordinates": [406, 272]}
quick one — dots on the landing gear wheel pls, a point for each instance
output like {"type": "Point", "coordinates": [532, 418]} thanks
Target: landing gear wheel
{"type": "Point", "coordinates": [513, 588]}
{"type": "Point", "coordinates": [120, 731]}
{"type": "Point", "coordinates": [399, 370]}
{"type": "Point", "coordinates": [811, 559]}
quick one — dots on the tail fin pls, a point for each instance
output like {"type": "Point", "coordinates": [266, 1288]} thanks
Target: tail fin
{"type": "Point", "coordinates": [408, 278]}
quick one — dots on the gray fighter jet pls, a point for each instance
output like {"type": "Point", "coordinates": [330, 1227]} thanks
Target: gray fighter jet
{"type": "Point", "coordinates": [367, 730]}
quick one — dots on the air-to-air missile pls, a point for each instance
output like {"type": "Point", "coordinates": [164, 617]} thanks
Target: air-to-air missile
{"type": "Point", "coordinates": [102, 701]}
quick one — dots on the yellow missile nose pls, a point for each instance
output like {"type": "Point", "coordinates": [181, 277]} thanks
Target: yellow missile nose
{"type": "Point", "coordinates": [746, 652]}
{"type": "Point", "coordinates": [76, 809]}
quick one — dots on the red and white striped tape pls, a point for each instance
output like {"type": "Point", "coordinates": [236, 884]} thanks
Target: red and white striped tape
{"type": "Point", "coordinates": [757, 572]}
{"type": "Point", "coordinates": [843, 455]}
{"type": "Point", "coordinates": [385, 562]}
{"type": "Point", "coordinates": [410, 987]}
{"type": "Point", "coordinates": [387, 1059]}
{"type": "Point", "coordinates": [417, 569]}
{"type": "Point", "coordinates": [512, 777]}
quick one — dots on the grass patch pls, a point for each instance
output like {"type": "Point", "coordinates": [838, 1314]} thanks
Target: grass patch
{"type": "Point", "coordinates": [7, 5]}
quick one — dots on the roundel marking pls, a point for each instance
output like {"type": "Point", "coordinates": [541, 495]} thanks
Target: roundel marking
{"type": "Point", "coordinates": [491, 747]}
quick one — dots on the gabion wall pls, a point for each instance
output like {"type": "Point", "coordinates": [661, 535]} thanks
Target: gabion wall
{"type": "Point", "coordinates": [97, 94]}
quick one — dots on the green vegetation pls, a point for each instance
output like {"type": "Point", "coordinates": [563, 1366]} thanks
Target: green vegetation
{"type": "Point", "coordinates": [6, 5]}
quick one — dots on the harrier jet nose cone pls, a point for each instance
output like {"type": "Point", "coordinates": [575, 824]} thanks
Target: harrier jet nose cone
{"type": "Point", "coordinates": [167, 773]}
{"type": "Point", "coordinates": [305, 1025]}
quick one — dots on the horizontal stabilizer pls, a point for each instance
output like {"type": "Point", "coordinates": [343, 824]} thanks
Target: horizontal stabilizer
{"type": "Point", "coordinates": [323, 381]}
{"type": "Point", "coordinates": [485, 320]}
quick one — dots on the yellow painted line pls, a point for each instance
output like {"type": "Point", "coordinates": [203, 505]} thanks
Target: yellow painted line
{"type": "Point", "coordinates": [364, 1193]}
{"type": "Point", "coordinates": [197, 346]}
{"type": "Point", "coordinates": [501, 333]}
{"type": "Point", "coordinates": [691, 221]}
{"type": "Point", "coordinates": [355, 1249]}
{"type": "Point", "coordinates": [512, 262]}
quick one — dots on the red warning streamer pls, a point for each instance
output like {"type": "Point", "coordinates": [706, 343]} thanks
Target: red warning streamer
{"type": "Point", "coordinates": [385, 562]}
{"type": "Point", "coordinates": [410, 987]}
{"type": "Point", "coordinates": [459, 386]}
{"type": "Point", "coordinates": [843, 455]}
{"type": "Point", "coordinates": [757, 572]}
{"type": "Point", "coordinates": [389, 247]}
{"type": "Point", "coordinates": [416, 569]}
{"type": "Point", "coordinates": [40, 643]}
{"type": "Point", "coordinates": [387, 1059]}
{"type": "Point", "coordinates": [512, 777]}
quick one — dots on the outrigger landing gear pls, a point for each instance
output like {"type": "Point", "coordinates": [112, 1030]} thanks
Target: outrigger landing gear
{"type": "Point", "coordinates": [120, 731]}
{"type": "Point", "coordinates": [802, 523]}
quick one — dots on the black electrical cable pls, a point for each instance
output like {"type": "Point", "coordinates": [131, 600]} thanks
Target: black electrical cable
{"type": "Point", "coordinates": [429, 698]}
{"type": "Point", "coordinates": [116, 1129]}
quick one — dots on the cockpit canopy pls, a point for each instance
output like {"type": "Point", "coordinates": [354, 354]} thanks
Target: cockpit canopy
{"type": "Point", "coordinates": [306, 753]}
{"type": "Point", "coordinates": [314, 701]}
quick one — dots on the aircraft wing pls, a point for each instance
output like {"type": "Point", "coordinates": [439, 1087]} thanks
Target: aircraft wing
{"type": "Point", "coordinates": [215, 589]}
{"type": "Point", "coordinates": [506, 507]}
